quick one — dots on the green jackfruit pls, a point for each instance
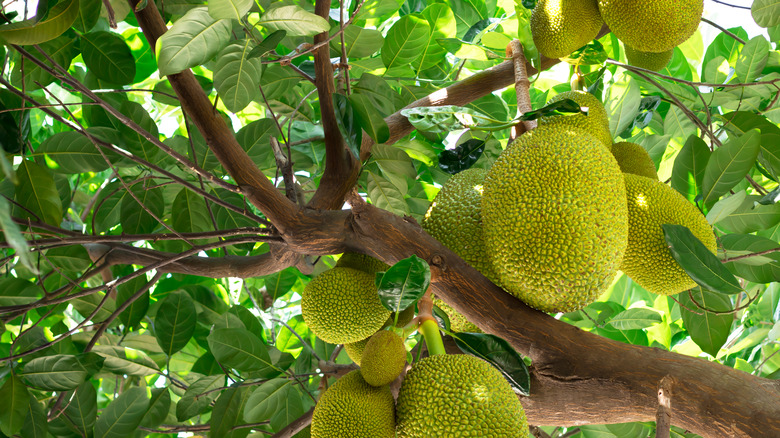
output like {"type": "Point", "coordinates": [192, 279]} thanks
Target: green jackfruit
{"type": "Point", "coordinates": [455, 219]}
{"type": "Point", "coordinates": [458, 322]}
{"type": "Point", "coordinates": [633, 158]}
{"type": "Point", "coordinates": [559, 27]}
{"type": "Point", "coordinates": [342, 306]}
{"type": "Point", "coordinates": [652, 25]}
{"type": "Point", "coordinates": [353, 408]}
{"type": "Point", "coordinates": [361, 262]}
{"type": "Point", "coordinates": [355, 350]}
{"type": "Point", "coordinates": [458, 396]}
{"type": "Point", "coordinates": [595, 123]}
{"type": "Point", "coordinates": [383, 358]}
{"type": "Point", "coordinates": [648, 260]}
{"type": "Point", "coordinates": [648, 60]}
{"type": "Point", "coordinates": [555, 218]}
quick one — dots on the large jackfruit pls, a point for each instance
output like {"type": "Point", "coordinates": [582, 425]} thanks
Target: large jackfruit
{"type": "Point", "coordinates": [633, 158]}
{"type": "Point", "coordinates": [355, 350]}
{"type": "Point", "coordinates": [458, 396]}
{"type": "Point", "coordinates": [559, 27]}
{"type": "Point", "coordinates": [652, 25]}
{"type": "Point", "coordinates": [648, 60]}
{"type": "Point", "coordinates": [458, 322]}
{"type": "Point", "coordinates": [342, 306]}
{"type": "Point", "coordinates": [555, 218]}
{"type": "Point", "coordinates": [648, 260]}
{"type": "Point", "coordinates": [361, 262]}
{"type": "Point", "coordinates": [383, 359]}
{"type": "Point", "coordinates": [353, 408]}
{"type": "Point", "coordinates": [595, 123]}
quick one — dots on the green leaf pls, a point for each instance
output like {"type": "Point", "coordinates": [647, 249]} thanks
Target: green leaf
{"type": "Point", "coordinates": [254, 138]}
{"type": "Point", "coordinates": [290, 409]}
{"type": "Point", "coordinates": [758, 269]}
{"type": "Point", "coordinates": [498, 353]}
{"type": "Point", "coordinates": [635, 319]}
{"type": "Point", "coordinates": [134, 142]}
{"type": "Point", "coordinates": [278, 80]}
{"type": "Point", "coordinates": [236, 76]}
{"type": "Point", "coordinates": [404, 283]}
{"type": "Point", "coordinates": [752, 59]}
{"type": "Point", "coordinates": [278, 284]}
{"type": "Point", "coordinates": [123, 415]}
{"type": "Point", "coordinates": [32, 31]}
{"type": "Point", "coordinates": [229, 9]}
{"type": "Point", "coordinates": [447, 118]}
{"type": "Point", "coordinates": [677, 124]}
{"type": "Point", "coordinates": [14, 237]}
{"type": "Point", "coordinates": [442, 25]}
{"type": "Point", "coordinates": [175, 322]}
{"type": "Point", "coordinates": [139, 219]}
{"type": "Point", "coordinates": [766, 12]}
{"type": "Point", "coordinates": [622, 104]}
{"type": "Point", "coordinates": [269, 43]}
{"type": "Point", "coordinates": [386, 195]}
{"type": "Point", "coordinates": [121, 360]}
{"type": "Point", "coordinates": [14, 403]}
{"type": "Point", "coordinates": [369, 118]}
{"type": "Point", "coordinates": [135, 313]}
{"type": "Point", "coordinates": [192, 40]}
{"type": "Point", "coordinates": [199, 396]}
{"type": "Point", "coordinates": [69, 258]}
{"type": "Point", "coordinates": [726, 206]}
{"type": "Point", "coordinates": [59, 372]}
{"type": "Point", "coordinates": [159, 405]}
{"type": "Point", "coordinates": [294, 20]}
{"type": "Point", "coordinates": [750, 216]}
{"type": "Point", "coordinates": [81, 411]}
{"type": "Point", "coordinates": [228, 413]}
{"type": "Point", "coordinates": [75, 153]}
{"type": "Point", "coordinates": [89, 12]}
{"type": "Point", "coordinates": [699, 263]}
{"type": "Point", "coordinates": [87, 304]}
{"type": "Point", "coordinates": [707, 329]}
{"type": "Point", "coordinates": [61, 50]}
{"type": "Point", "coordinates": [689, 167]}
{"type": "Point", "coordinates": [37, 193]}
{"type": "Point", "coordinates": [729, 164]}
{"type": "Point", "coordinates": [108, 57]}
{"type": "Point", "coordinates": [35, 422]}
{"type": "Point", "coordinates": [395, 164]}
{"type": "Point", "coordinates": [192, 215]}
{"type": "Point", "coordinates": [405, 41]}
{"type": "Point", "coordinates": [360, 42]}
{"type": "Point", "coordinates": [266, 399]}
{"type": "Point", "coordinates": [238, 348]}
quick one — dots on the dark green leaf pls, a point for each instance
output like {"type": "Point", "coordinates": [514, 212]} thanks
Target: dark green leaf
{"type": "Point", "coordinates": [13, 235]}
{"type": "Point", "coordinates": [404, 283]}
{"type": "Point", "coordinates": [369, 118]}
{"type": "Point", "coordinates": [269, 43]}
{"type": "Point", "coordinates": [81, 412]}
{"type": "Point", "coordinates": [108, 57]}
{"type": "Point", "coordinates": [760, 269]}
{"type": "Point", "coordinates": [37, 193]}
{"type": "Point", "coordinates": [70, 258]}
{"type": "Point", "coordinates": [133, 315]}
{"type": "Point", "coordinates": [229, 412]}
{"type": "Point", "coordinates": [699, 263]}
{"type": "Point", "coordinates": [689, 166]}
{"type": "Point", "coordinates": [35, 422]}
{"type": "Point", "coordinates": [266, 400]}
{"type": "Point", "coordinates": [729, 164]}
{"type": "Point", "coordinates": [462, 157]}
{"type": "Point", "coordinates": [120, 418]}
{"type": "Point", "coordinates": [159, 405]}
{"type": "Point", "coordinates": [14, 404]}
{"type": "Point", "coordinates": [175, 322]}
{"type": "Point", "coordinates": [199, 396]}
{"type": "Point", "coordinates": [239, 349]}
{"type": "Point", "coordinates": [143, 218]}
{"type": "Point", "coordinates": [120, 360]}
{"type": "Point", "coordinates": [707, 329]}
{"type": "Point", "coordinates": [278, 284]}
{"type": "Point", "coordinates": [59, 372]}
{"type": "Point", "coordinates": [500, 354]}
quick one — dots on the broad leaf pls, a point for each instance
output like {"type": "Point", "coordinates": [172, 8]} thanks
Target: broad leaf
{"type": "Point", "coordinates": [37, 193]}
{"type": "Point", "coordinates": [729, 164]}
{"type": "Point", "coordinates": [500, 354]}
{"type": "Point", "coordinates": [405, 41]}
{"type": "Point", "coordinates": [709, 330]}
{"type": "Point", "coordinates": [294, 20]}
{"type": "Point", "coordinates": [59, 372]}
{"type": "Point", "coordinates": [14, 237]}
{"type": "Point", "coordinates": [635, 319]}
{"type": "Point", "coordinates": [175, 322]}
{"type": "Point", "coordinates": [689, 167]}
{"type": "Point", "coordinates": [14, 403]}
{"type": "Point", "coordinates": [122, 415]}
{"type": "Point", "coordinates": [404, 283]}
{"type": "Point", "coordinates": [238, 348]}
{"type": "Point", "coordinates": [266, 399]}
{"type": "Point", "coordinates": [108, 57]}
{"type": "Point", "coordinates": [237, 76]}
{"type": "Point", "coordinates": [199, 396]}
{"type": "Point", "coordinates": [32, 31]}
{"type": "Point", "coordinates": [229, 9]}
{"type": "Point", "coordinates": [192, 40]}
{"type": "Point", "coordinates": [766, 12]}
{"type": "Point", "coordinates": [229, 413]}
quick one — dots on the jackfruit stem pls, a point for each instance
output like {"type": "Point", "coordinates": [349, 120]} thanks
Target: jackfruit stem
{"type": "Point", "coordinates": [430, 331]}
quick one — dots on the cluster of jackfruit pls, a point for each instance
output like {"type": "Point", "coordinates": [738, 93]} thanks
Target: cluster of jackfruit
{"type": "Point", "coordinates": [649, 29]}
{"type": "Point", "coordinates": [561, 211]}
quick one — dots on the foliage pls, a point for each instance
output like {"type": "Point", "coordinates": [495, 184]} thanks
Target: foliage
{"type": "Point", "coordinates": [107, 190]}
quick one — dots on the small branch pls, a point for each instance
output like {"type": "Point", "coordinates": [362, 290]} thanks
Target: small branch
{"type": "Point", "coordinates": [522, 88]}
{"type": "Point", "coordinates": [285, 166]}
{"type": "Point", "coordinates": [723, 29]}
{"type": "Point", "coordinates": [745, 256]}
{"type": "Point", "coordinates": [110, 12]}
{"type": "Point", "coordinates": [663, 417]}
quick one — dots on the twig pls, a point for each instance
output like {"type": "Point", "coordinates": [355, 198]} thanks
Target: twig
{"type": "Point", "coordinates": [522, 88]}
{"type": "Point", "coordinates": [296, 426]}
{"type": "Point", "coordinates": [723, 29]}
{"type": "Point", "coordinates": [663, 416]}
{"type": "Point", "coordinates": [285, 166]}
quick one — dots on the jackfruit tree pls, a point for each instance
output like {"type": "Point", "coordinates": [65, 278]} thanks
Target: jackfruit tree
{"type": "Point", "coordinates": [192, 192]}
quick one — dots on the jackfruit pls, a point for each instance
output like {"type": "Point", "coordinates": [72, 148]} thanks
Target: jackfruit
{"type": "Point", "coordinates": [559, 27]}
{"type": "Point", "coordinates": [353, 408]}
{"type": "Point", "coordinates": [458, 322]}
{"type": "Point", "coordinates": [595, 123]}
{"type": "Point", "coordinates": [455, 219]}
{"type": "Point", "coordinates": [404, 317]}
{"type": "Point", "coordinates": [355, 350]}
{"type": "Point", "coordinates": [652, 25]}
{"type": "Point", "coordinates": [633, 158]}
{"type": "Point", "coordinates": [361, 262]}
{"type": "Point", "coordinates": [458, 396]}
{"type": "Point", "coordinates": [555, 218]}
{"type": "Point", "coordinates": [648, 260]}
{"type": "Point", "coordinates": [342, 305]}
{"type": "Point", "coordinates": [648, 60]}
{"type": "Point", "coordinates": [383, 358]}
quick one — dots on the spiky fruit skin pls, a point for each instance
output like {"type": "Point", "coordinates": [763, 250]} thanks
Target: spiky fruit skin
{"type": "Point", "coordinates": [633, 158]}
{"type": "Point", "coordinates": [455, 219]}
{"type": "Point", "coordinates": [361, 262]}
{"type": "Point", "coordinates": [595, 123]}
{"type": "Point", "coordinates": [383, 359]}
{"type": "Point", "coordinates": [405, 317]}
{"type": "Point", "coordinates": [342, 306]}
{"type": "Point", "coordinates": [353, 408]}
{"type": "Point", "coordinates": [355, 350]}
{"type": "Point", "coordinates": [458, 396]}
{"type": "Point", "coordinates": [652, 25]}
{"type": "Point", "coordinates": [458, 322]}
{"type": "Point", "coordinates": [648, 260]}
{"type": "Point", "coordinates": [559, 27]}
{"type": "Point", "coordinates": [556, 223]}
{"type": "Point", "coordinates": [648, 60]}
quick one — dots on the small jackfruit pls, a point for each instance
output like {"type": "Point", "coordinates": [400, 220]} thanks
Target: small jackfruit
{"type": "Point", "coordinates": [648, 260]}
{"type": "Point", "coordinates": [404, 317]}
{"type": "Point", "coordinates": [648, 60]}
{"type": "Point", "coordinates": [559, 27]}
{"type": "Point", "coordinates": [361, 262]}
{"type": "Point", "coordinates": [652, 25]}
{"type": "Point", "coordinates": [458, 396]}
{"type": "Point", "coordinates": [595, 123]}
{"type": "Point", "coordinates": [353, 408]}
{"type": "Point", "coordinates": [555, 218]}
{"type": "Point", "coordinates": [458, 322]}
{"type": "Point", "coordinates": [342, 305]}
{"type": "Point", "coordinates": [355, 350]}
{"type": "Point", "coordinates": [633, 158]}
{"type": "Point", "coordinates": [383, 358]}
